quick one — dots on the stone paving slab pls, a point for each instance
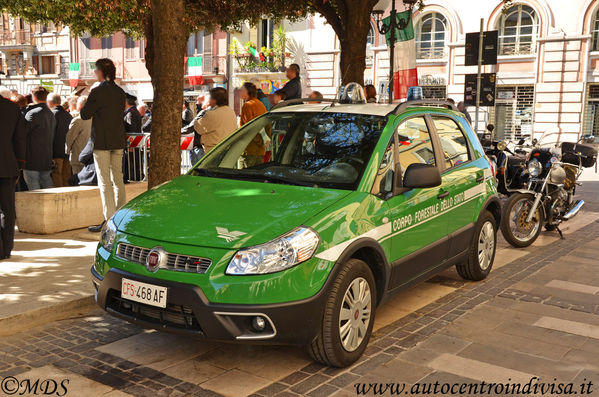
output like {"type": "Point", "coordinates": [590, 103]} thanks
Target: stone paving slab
{"type": "Point", "coordinates": [46, 279]}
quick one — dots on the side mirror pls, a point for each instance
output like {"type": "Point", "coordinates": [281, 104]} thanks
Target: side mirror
{"type": "Point", "coordinates": [421, 176]}
{"type": "Point", "coordinates": [587, 139]}
{"type": "Point", "coordinates": [521, 142]}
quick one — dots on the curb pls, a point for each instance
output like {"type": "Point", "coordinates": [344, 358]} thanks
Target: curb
{"type": "Point", "coordinates": [34, 318]}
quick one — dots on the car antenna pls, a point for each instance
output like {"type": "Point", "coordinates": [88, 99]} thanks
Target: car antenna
{"type": "Point", "coordinates": [340, 85]}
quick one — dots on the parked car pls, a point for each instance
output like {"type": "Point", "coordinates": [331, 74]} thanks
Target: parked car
{"type": "Point", "coordinates": [298, 225]}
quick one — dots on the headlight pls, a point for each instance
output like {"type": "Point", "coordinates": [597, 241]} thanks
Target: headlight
{"type": "Point", "coordinates": [279, 254]}
{"type": "Point", "coordinates": [107, 235]}
{"type": "Point", "coordinates": [501, 146]}
{"type": "Point", "coordinates": [534, 168]}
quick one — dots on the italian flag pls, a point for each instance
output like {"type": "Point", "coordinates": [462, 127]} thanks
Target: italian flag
{"type": "Point", "coordinates": [194, 70]}
{"type": "Point", "coordinates": [405, 74]}
{"type": "Point", "coordinates": [73, 75]}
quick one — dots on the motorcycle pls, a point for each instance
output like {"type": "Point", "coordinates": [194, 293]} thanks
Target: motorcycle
{"type": "Point", "coordinates": [508, 164]}
{"type": "Point", "coordinates": [551, 177]}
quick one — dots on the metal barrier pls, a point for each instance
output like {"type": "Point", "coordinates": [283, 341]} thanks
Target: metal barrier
{"type": "Point", "coordinates": [138, 153]}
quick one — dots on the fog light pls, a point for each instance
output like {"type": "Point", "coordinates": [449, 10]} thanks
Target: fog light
{"type": "Point", "coordinates": [258, 323]}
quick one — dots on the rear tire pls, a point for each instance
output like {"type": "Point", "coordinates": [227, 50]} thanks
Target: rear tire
{"type": "Point", "coordinates": [482, 251]}
{"type": "Point", "coordinates": [346, 327]}
{"type": "Point", "coordinates": [514, 219]}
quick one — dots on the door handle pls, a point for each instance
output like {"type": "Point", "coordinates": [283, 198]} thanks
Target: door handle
{"type": "Point", "coordinates": [480, 179]}
{"type": "Point", "coordinates": [441, 196]}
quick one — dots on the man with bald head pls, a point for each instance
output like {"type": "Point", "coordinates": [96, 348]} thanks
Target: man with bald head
{"type": "Point", "coordinates": [62, 171]}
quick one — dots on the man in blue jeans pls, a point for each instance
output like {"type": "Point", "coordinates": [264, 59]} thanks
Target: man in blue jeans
{"type": "Point", "coordinates": [40, 126]}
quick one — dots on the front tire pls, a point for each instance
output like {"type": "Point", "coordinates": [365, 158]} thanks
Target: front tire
{"type": "Point", "coordinates": [514, 227]}
{"type": "Point", "coordinates": [482, 251]}
{"type": "Point", "coordinates": [348, 317]}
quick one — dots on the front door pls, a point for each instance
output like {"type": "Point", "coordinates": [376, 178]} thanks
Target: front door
{"type": "Point", "coordinates": [462, 179]}
{"type": "Point", "coordinates": [419, 235]}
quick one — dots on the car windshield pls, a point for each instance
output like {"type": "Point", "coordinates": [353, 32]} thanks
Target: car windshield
{"type": "Point", "coordinates": [317, 149]}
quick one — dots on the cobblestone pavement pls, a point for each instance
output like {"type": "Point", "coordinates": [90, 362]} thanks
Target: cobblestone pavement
{"type": "Point", "coordinates": [536, 315]}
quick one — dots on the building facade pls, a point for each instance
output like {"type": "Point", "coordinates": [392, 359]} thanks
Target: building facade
{"type": "Point", "coordinates": [128, 55]}
{"type": "Point", "coordinates": [547, 70]}
{"type": "Point", "coordinates": [33, 54]}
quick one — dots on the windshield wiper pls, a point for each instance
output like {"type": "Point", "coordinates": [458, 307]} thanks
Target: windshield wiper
{"type": "Point", "coordinates": [251, 177]}
{"type": "Point", "coordinates": [281, 179]}
{"type": "Point", "coordinates": [204, 172]}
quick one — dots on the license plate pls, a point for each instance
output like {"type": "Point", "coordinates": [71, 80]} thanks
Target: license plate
{"type": "Point", "coordinates": [149, 294]}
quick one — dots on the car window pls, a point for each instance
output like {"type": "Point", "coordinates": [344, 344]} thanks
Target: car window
{"type": "Point", "coordinates": [317, 149]}
{"type": "Point", "coordinates": [414, 143]}
{"type": "Point", "coordinates": [383, 183]}
{"type": "Point", "coordinates": [453, 141]}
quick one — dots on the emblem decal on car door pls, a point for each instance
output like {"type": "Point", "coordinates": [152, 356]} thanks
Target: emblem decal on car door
{"type": "Point", "coordinates": [224, 233]}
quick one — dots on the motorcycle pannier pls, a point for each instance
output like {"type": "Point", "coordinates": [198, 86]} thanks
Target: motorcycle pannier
{"type": "Point", "coordinates": [572, 152]}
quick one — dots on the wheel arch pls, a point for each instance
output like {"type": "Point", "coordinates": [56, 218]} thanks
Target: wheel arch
{"type": "Point", "coordinates": [493, 205]}
{"type": "Point", "coordinates": [370, 251]}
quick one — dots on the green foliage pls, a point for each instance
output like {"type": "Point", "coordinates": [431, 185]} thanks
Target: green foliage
{"type": "Point", "coordinates": [104, 17]}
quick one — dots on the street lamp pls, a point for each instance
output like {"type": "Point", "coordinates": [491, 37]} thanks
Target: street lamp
{"type": "Point", "coordinates": [377, 13]}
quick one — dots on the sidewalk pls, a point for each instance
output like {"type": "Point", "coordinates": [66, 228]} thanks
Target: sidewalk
{"type": "Point", "coordinates": [46, 279]}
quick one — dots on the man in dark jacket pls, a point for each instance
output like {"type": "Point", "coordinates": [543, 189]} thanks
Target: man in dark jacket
{"type": "Point", "coordinates": [293, 88]}
{"type": "Point", "coordinates": [62, 171]}
{"type": "Point", "coordinates": [40, 127]}
{"type": "Point", "coordinates": [87, 175]}
{"type": "Point", "coordinates": [105, 105]}
{"type": "Point", "coordinates": [132, 156]}
{"type": "Point", "coordinates": [132, 116]}
{"type": "Point", "coordinates": [13, 143]}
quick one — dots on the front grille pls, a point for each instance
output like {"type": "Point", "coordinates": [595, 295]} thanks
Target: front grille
{"type": "Point", "coordinates": [174, 316]}
{"type": "Point", "coordinates": [176, 262]}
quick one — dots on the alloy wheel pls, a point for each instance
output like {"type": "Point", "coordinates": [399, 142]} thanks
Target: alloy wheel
{"type": "Point", "coordinates": [486, 245]}
{"type": "Point", "coordinates": [355, 314]}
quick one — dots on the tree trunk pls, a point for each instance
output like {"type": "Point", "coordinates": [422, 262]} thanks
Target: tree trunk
{"type": "Point", "coordinates": [169, 34]}
{"type": "Point", "coordinates": [352, 61]}
{"type": "Point", "coordinates": [352, 30]}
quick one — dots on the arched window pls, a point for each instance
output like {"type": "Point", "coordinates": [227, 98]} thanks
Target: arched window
{"type": "Point", "coordinates": [431, 36]}
{"type": "Point", "coordinates": [371, 35]}
{"type": "Point", "coordinates": [595, 32]}
{"type": "Point", "coordinates": [518, 29]}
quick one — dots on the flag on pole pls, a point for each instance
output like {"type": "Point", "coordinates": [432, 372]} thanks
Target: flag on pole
{"type": "Point", "coordinates": [73, 75]}
{"type": "Point", "coordinates": [194, 70]}
{"type": "Point", "coordinates": [405, 73]}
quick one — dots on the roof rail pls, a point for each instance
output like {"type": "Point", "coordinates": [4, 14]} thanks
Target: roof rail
{"type": "Point", "coordinates": [300, 101]}
{"type": "Point", "coordinates": [423, 102]}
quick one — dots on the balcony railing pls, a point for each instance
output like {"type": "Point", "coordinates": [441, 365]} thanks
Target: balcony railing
{"type": "Point", "coordinates": [16, 37]}
{"type": "Point", "coordinates": [212, 64]}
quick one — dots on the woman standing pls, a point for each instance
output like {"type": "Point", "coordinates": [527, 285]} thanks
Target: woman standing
{"type": "Point", "coordinates": [105, 106]}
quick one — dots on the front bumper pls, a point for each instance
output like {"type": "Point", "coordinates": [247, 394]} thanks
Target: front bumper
{"type": "Point", "coordinates": [189, 312]}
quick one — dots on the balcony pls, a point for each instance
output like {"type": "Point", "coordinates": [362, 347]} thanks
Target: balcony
{"type": "Point", "coordinates": [16, 38]}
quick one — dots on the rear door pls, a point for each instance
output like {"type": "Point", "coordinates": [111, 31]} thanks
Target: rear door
{"type": "Point", "coordinates": [418, 238]}
{"type": "Point", "coordinates": [462, 179]}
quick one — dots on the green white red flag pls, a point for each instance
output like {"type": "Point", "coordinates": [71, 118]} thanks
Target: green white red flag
{"type": "Point", "coordinates": [405, 73]}
{"type": "Point", "coordinates": [73, 74]}
{"type": "Point", "coordinates": [194, 70]}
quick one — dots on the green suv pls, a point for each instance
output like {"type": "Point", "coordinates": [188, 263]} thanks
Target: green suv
{"type": "Point", "coordinates": [298, 225]}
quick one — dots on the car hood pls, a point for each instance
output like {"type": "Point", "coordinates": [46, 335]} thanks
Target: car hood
{"type": "Point", "coordinates": [222, 213]}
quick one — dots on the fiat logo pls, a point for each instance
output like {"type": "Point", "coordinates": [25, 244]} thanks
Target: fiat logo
{"type": "Point", "coordinates": [154, 258]}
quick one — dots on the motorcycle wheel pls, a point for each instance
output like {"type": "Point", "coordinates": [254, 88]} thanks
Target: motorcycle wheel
{"type": "Point", "coordinates": [514, 227]}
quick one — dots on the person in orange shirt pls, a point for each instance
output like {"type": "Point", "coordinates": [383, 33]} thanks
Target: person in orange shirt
{"type": "Point", "coordinates": [252, 108]}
